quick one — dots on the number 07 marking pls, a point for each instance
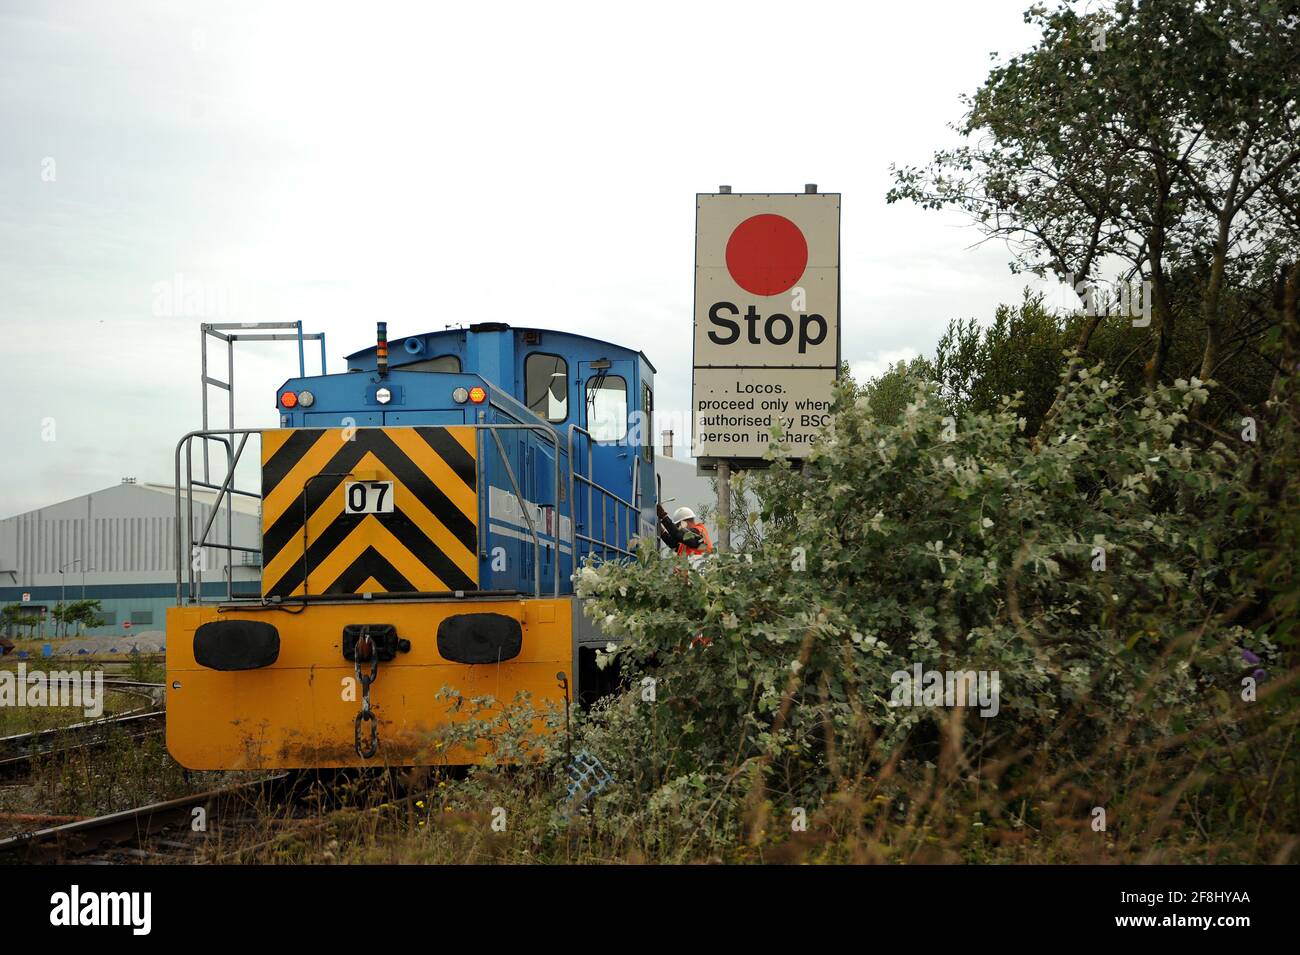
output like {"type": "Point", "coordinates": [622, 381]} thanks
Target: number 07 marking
{"type": "Point", "coordinates": [368, 497]}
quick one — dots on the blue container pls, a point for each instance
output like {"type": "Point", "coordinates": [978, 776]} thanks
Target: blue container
{"type": "Point", "coordinates": [47, 649]}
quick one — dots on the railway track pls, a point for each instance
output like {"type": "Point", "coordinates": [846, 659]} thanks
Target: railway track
{"type": "Point", "coordinates": [238, 823]}
{"type": "Point", "coordinates": [167, 831]}
{"type": "Point", "coordinates": [18, 751]}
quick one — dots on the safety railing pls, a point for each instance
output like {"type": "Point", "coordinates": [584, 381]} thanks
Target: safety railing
{"type": "Point", "coordinates": [191, 551]}
{"type": "Point", "coordinates": [526, 505]}
{"type": "Point", "coordinates": [231, 332]}
{"type": "Point", "coordinates": [625, 513]}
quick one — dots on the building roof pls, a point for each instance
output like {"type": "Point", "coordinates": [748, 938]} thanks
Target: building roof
{"type": "Point", "coordinates": [241, 504]}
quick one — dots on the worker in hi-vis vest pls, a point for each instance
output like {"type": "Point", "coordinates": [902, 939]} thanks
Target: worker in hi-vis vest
{"type": "Point", "coordinates": [684, 534]}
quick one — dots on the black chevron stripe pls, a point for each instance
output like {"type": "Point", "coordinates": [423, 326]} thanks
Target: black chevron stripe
{"type": "Point", "coordinates": [370, 563]}
{"type": "Point", "coordinates": [321, 547]}
{"type": "Point", "coordinates": [289, 524]}
{"type": "Point", "coordinates": [428, 553]}
{"type": "Point", "coordinates": [429, 494]}
{"type": "Point", "coordinates": [451, 451]}
{"type": "Point", "coordinates": [290, 453]}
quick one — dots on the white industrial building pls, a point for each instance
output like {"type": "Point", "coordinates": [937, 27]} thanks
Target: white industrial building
{"type": "Point", "coordinates": [118, 546]}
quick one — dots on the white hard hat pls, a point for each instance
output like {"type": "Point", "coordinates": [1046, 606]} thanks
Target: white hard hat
{"type": "Point", "coordinates": [683, 514]}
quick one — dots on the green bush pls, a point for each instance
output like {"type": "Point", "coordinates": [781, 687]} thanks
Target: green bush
{"type": "Point", "coordinates": [959, 545]}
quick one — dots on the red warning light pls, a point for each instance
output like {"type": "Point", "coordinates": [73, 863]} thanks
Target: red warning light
{"type": "Point", "coordinates": [477, 395]}
{"type": "Point", "coordinates": [289, 399]}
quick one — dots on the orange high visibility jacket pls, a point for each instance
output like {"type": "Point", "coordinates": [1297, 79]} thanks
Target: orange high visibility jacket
{"type": "Point", "coordinates": [706, 541]}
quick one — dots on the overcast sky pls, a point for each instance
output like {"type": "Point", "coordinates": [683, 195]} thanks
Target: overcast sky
{"type": "Point", "coordinates": [432, 165]}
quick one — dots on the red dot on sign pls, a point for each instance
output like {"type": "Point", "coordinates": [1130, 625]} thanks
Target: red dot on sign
{"type": "Point", "coordinates": [766, 254]}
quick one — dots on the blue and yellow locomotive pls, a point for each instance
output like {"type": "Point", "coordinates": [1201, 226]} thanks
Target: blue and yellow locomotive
{"type": "Point", "coordinates": [421, 517]}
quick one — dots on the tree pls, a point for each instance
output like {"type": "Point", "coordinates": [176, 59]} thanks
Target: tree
{"type": "Point", "coordinates": [78, 613]}
{"type": "Point", "coordinates": [889, 394]}
{"type": "Point", "coordinates": [1151, 142]}
{"type": "Point", "coordinates": [17, 616]}
{"type": "Point", "coordinates": [1023, 353]}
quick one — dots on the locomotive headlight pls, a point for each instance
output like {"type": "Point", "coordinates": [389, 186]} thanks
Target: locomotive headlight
{"type": "Point", "coordinates": [306, 399]}
{"type": "Point", "coordinates": [477, 395]}
{"type": "Point", "coordinates": [289, 399]}
{"type": "Point", "coordinates": [383, 396]}
{"type": "Point", "coordinates": [460, 396]}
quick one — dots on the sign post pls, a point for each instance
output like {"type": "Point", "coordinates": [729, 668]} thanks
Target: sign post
{"type": "Point", "coordinates": [767, 328]}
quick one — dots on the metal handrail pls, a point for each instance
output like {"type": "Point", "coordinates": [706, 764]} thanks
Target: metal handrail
{"type": "Point", "coordinates": [606, 497]}
{"type": "Point", "coordinates": [188, 577]}
{"type": "Point", "coordinates": [231, 332]}
{"type": "Point", "coordinates": [186, 573]}
{"type": "Point", "coordinates": [550, 435]}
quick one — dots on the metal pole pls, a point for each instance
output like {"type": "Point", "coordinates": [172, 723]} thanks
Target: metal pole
{"type": "Point", "coordinates": [203, 383]}
{"type": "Point", "coordinates": [185, 443]}
{"type": "Point", "coordinates": [230, 393]}
{"type": "Point", "coordinates": [724, 506]}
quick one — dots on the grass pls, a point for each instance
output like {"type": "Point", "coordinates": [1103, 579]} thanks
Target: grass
{"type": "Point", "coordinates": [909, 814]}
{"type": "Point", "coordinates": [1226, 794]}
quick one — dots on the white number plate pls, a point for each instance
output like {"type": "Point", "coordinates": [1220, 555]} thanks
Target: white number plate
{"type": "Point", "coordinates": [368, 497]}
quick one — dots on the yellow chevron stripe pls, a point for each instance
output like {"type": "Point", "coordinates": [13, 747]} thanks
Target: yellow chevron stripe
{"type": "Point", "coordinates": [288, 491]}
{"type": "Point", "coordinates": [405, 501]}
{"type": "Point", "coordinates": [466, 436]}
{"type": "Point", "coordinates": [325, 514]}
{"type": "Point", "coordinates": [340, 559]}
{"type": "Point", "coordinates": [370, 533]}
{"type": "Point", "coordinates": [273, 441]}
{"type": "Point", "coordinates": [437, 470]}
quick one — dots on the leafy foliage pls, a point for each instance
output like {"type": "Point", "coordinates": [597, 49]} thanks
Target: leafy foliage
{"type": "Point", "coordinates": [961, 549]}
{"type": "Point", "coordinates": [1142, 141]}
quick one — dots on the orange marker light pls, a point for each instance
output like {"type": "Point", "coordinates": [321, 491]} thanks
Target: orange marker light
{"type": "Point", "coordinates": [289, 399]}
{"type": "Point", "coordinates": [477, 395]}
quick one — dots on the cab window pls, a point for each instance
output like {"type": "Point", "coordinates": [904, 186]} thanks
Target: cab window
{"type": "Point", "coordinates": [607, 407]}
{"type": "Point", "coordinates": [546, 386]}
